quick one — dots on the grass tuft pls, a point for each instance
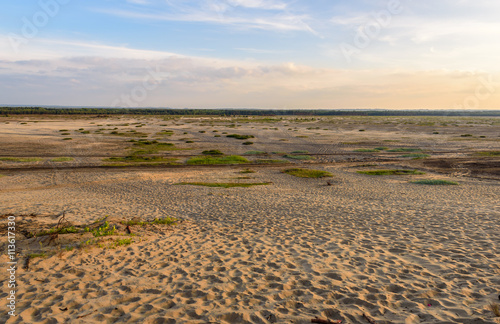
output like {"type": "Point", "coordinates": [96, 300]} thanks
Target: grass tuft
{"type": "Point", "coordinates": [240, 137]}
{"type": "Point", "coordinates": [488, 153]}
{"type": "Point", "coordinates": [298, 157]}
{"type": "Point", "coordinates": [212, 152]}
{"type": "Point", "coordinates": [254, 153]}
{"type": "Point", "coordinates": [231, 159]}
{"type": "Point", "coordinates": [405, 149]}
{"type": "Point", "coordinates": [416, 156]}
{"type": "Point", "coordinates": [13, 159]}
{"type": "Point", "coordinates": [390, 172]}
{"type": "Point", "coordinates": [307, 173]}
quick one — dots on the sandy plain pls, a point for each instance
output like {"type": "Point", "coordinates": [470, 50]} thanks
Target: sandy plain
{"type": "Point", "coordinates": [285, 252]}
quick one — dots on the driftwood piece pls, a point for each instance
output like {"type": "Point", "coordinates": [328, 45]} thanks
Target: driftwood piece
{"type": "Point", "coordinates": [327, 321]}
{"type": "Point", "coordinates": [370, 320]}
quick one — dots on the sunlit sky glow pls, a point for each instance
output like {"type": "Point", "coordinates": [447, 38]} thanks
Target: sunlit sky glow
{"type": "Point", "coordinates": [251, 53]}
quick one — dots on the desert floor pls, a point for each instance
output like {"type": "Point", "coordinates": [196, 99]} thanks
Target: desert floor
{"type": "Point", "coordinates": [285, 252]}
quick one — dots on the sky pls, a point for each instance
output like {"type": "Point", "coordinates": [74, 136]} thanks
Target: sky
{"type": "Point", "coordinates": [281, 54]}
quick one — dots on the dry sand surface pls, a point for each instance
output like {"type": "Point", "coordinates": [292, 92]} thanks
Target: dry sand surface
{"type": "Point", "coordinates": [285, 252]}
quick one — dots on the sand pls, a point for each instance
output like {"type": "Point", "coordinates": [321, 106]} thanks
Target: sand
{"type": "Point", "coordinates": [286, 252]}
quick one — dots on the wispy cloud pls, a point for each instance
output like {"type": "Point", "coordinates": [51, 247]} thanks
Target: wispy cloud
{"type": "Point", "coordinates": [270, 15]}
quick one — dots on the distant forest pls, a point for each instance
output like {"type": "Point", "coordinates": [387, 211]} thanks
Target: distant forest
{"type": "Point", "coordinates": [239, 112]}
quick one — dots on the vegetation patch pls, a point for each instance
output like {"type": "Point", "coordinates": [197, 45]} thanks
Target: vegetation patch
{"type": "Point", "coordinates": [67, 139]}
{"type": "Point", "coordinates": [254, 153]}
{"type": "Point", "coordinates": [224, 185]}
{"type": "Point", "coordinates": [299, 152]}
{"type": "Point", "coordinates": [307, 173]}
{"type": "Point", "coordinates": [165, 133]}
{"type": "Point", "coordinates": [156, 221]}
{"type": "Point", "coordinates": [212, 152]}
{"type": "Point", "coordinates": [435, 182]}
{"type": "Point", "coordinates": [298, 157]}
{"type": "Point", "coordinates": [247, 171]}
{"type": "Point", "coordinates": [230, 159]}
{"type": "Point", "coordinates": [248, 143]}
{"type": "Point", "coordinates": [240, 137]}
{"type": "Point", "coordinates": [61, 230]}
{"type": "Point", "coordinates": [390, 172]}
{"type": "Point", "coordinates": [62, 159]}
{"type": "Point", "coordinates": [13, 159]}
{"type": "Point", "coordinates": [270, 161]}
{"type": "Point", "coordinates": [488, 153]}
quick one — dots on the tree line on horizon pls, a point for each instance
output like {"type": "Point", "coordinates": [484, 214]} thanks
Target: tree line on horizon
{"type": "Point", "coordinates": [239, 112]}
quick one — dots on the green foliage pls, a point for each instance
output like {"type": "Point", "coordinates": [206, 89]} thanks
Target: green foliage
{"type": "Point", "coordinates": [299, 152]}
{"type": "Point", "coordinates": [212, 152]}
{"type": "Point", "coordinates": [240, 137]}
{"type": "Point", "coordinates": [13, 159]}
{"type": "Point", "coordinates": [231, 159]}
{"type": "Point", "coordinates": [122, 242]}
{"type": "Point", "coordinates": [248, 143]}
{"type": "Point", "coordinates": [466, 135]}
{"type": "Point", "coordinates": [254, 153]}
{"type": "Point", "coordinates": [435, 182]}
{"type": "Point", "coordinates": [307, 173]}
{"type": "Point", "coordinates": [157, 221]}
{"type": "Point", "coordinates": [489, 153]}
{"type": "Point", "coordinates": [67, 139]}
{"type": "Point", "coordinates": [390, 172]}
{"type": "Point", "coordinates": [298, 157]}
{"type": "Point", "coordinates": [224, 185]}
{"type": "Point", "coordinates": [104, 230]}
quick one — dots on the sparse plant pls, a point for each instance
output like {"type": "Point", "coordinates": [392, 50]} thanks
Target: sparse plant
{"type": "Point", "coordinates": [224, 184]}
{"type": "Point", "coordinates": [390, 172]}
{"type": "Point", "coordinates": [104, 230]}
{"type": "Point", "coordinates": [230, 159]}
{"type": "Point", "coordinates": [307, 173]}
{"type": "Point", "coordinates": [212, 152]}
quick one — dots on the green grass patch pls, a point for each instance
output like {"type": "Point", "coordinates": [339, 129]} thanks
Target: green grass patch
{"type": "Point", "coordinates": [435, 182]}
{"type": "Point", "coordinates": [390, 172]}
{"type": "Point", "coordinates": [270, 161]}
{"type": "Point", "coordinates": [488, 153]}
{"type": "Point", "coordinates": [156, 221]}
{"type": "Point", "coordinates": [240, 137]}
{"type": "Point", "coordinates": [231, 159]}
{"type": "Point", "coordinates": [62, 159]}
{"type": "Point", "coordinates": [212, 152]}
{"type": "Point", "coordinates": [299, 152]}
{"type": "Point", "coordinates": [298, 157]}
{"type": "Point", "coordinates": [416, 156]}
{"type": "Point", "coordinates": [224, 184]}
{"type": "Point", "coordinates": [246, 171]}
{"type": "Point", "coordinates": [254, 153]}
{"type": "Point", "coordinates": [248, 143]}
{"type": "Point", "coordinates": [13, 159]}
{"type": "Point", "coordinates": [307, 173]}
{"type": "Point", "coordinates": [67, 139]}
{"type": "Point", "coordinates": [104, 230]}
{"type": "Point", "coordinates": [382, 148]}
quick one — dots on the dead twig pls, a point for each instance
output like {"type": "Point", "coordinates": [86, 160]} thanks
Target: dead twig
{"type": "Point", "coordinates": [370, 320]}
{"type": "Point", "coordinates": [81, 316]}
{"type": "Point", "coordinates": [327, 321]}
{"type": "Point", "coordinates": [61, 220]}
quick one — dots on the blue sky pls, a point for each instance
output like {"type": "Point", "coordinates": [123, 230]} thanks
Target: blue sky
{"type": "Point", "coordinates": [251, 53]}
